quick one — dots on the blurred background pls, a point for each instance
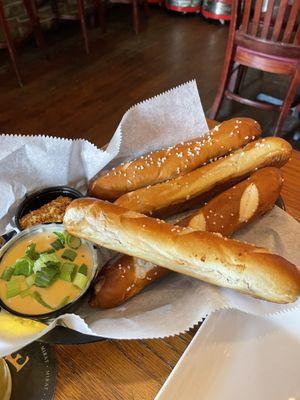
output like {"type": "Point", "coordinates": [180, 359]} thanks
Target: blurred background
{"type": "Point", "coordinates": [72, 68]}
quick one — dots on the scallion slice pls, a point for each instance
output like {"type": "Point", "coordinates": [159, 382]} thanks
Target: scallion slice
{"type": "Point", "coordinates": [69, 254]}
{"type": "Point", "coordinates": [37, 296]}
{"type": "Point", "coordinates": [31, 252]}
{"type": "Point", "coordinates": [49, 251]}
{"type": "Point", "coordinates": [38, 265]}
{"type": "Point", "coordinates": [72, 241]}
{"type": "Point", "coordinates": [57, 245]}
{"type": "Point", "coordinates": [74, 272]}
{"type": "Point", "coordinates": [23, 266]}
{"type": "Point", "coordinates": [45, 277]}
{"type": "Point", "coordinates": [66, 272]}
{"type": "Point", "coordinates": [63, 303]}
{"type": "Point", "coordinates": [46, 260]}
{"type": "Point", "coordinates": [83, 269]}
{"type": "Point", "coordinates": [49, 258]}
{"type": "Point", "coordinates": [60, 236]}
{"type": "Point", "coordinates": [80, 281]}
{"type": "Point", "coordinates": [12, 288]}
{"type": "Point", "coordinates": [25, 293]}
{"type": "Point", "coordinates": [8, 273]}
{"type": "Point", "coordinates": [30, 280]}
{"type": "Point", "coordinates": [54, 265]}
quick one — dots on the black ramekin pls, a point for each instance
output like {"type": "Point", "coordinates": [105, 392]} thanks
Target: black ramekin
{"type": "Point", "coordinates": [35, 200]}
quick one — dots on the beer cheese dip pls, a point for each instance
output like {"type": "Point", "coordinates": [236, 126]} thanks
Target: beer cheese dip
{"type": "Point", "coordinates": [44, 272]}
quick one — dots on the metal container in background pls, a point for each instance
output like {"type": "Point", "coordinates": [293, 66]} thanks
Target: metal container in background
{"type": "Point", "coordinates": [217, 9]}
{"type": "Point", "coordinates": [184, 6]}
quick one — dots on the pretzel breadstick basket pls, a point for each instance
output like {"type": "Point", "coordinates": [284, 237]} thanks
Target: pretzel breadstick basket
{"type": "Point", "coordinates": [165, 207]}
{"type": "Point", "coordinates": [232, 181]}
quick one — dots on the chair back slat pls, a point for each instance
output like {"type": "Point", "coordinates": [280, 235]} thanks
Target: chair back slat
{"type": "Point", "coordinates": [287, 36]}
{"type": "Point", "coordinates": [267, 19]}
{"type": "Point", "coordinates": [256, 17]}
{"type": "Point", "coordinates": [270, 20]}
{"type": "Point", "coordinates": [279, 19]}
{"type": "Point", "coordinates": [246, 16]}
{"type": "Point", "coordinates": [297, 36]}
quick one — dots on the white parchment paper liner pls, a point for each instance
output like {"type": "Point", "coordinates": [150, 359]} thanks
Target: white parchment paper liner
{"type": "Point", "coordinates": [176, 303]}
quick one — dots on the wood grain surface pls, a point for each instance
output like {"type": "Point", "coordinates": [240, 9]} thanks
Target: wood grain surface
{"type": "Point", "coordinates": [136, 369]}
{"type": "Point", "coordinates": [71, 95]}
{"type": "Point", "coordinates": [291, 187]}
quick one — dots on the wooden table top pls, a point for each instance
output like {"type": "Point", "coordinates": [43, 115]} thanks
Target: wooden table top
{"type": "Point", "coordinates": [136, 369]}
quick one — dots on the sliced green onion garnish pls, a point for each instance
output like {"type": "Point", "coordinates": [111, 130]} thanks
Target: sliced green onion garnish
{"type": "Point", "coordinates": [8, 273]}
{"type": "Point", "coordinates": [63, 303]}
{"type": "Point", "coordinates": [83, 269]}
{"type": "Point", "coordinates": [31, 252]}
{"type": "Point", "coordinates": [68, 267]}
{"type": "Point", "coordinates": [80, 280]}
{"type": "Point", "coordinates": [49, 251]}
{"type": "Point", "coordinates": [46, 260]}
{"type": "Point", "coordinates": [72, 241]}
{"type": "Point", "coordinates": [54, 265]}
{"type": "Point", "coordinates": [57, 244]}
{"type": "Point", "coordinates": [12, 288]}
{"type": "Point", "coordinates": [37, 296]}
{"type": "Point", "coordinates": [23, 266]}
{"type": "Point", "coordinates": [69, 254]}
{"type": "Point", "coordinates": [74, 272]}
{"type": "Point", "coordinates": [60, 236]}
{"type": "Point", "coordinates": [38, 265]}
{"type": "Point", "coordinates": [25, 293]}
{"type": "Point", "coordinates": [30, 280]}
{"type": "Point", "coordinates": [49, 258]}
{"type": "Point", "coordinates": [66, 272]}
{"type": "Point", "coordinates": [45, 277]}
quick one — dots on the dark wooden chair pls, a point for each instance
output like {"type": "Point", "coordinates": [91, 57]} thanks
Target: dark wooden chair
{"type": "Point", "coordinates": [136, 16]}
{"type": "Point", "coordinates": [268, 40]}
{"type": "Point", "coordinates": [9, 41]}
{"type": "Point", "coordinates": [135, 11]}
{"type": "Point", "coordinates": [70, 12]}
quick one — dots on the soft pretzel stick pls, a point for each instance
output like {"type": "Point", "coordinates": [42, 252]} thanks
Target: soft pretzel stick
{"type": "Point", "coordinates": [125, 276]}
{"type": "Point", "coordinates": [176, 195]}
{"type": "Point", "coordinates": [174, 161]}
{"type": "Point", "coordinates": [207, 256]}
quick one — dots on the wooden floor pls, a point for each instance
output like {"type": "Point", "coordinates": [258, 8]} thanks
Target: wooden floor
{"type": "Point", "coordinates": [74, 95]}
